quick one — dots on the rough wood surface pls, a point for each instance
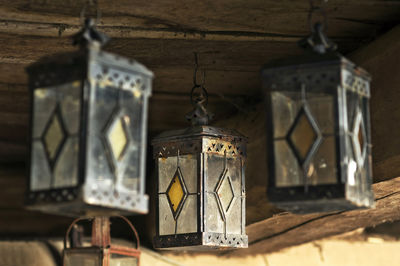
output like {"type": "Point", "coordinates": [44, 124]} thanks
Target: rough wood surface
{"type": "Point", "coordinates": [285, 230]}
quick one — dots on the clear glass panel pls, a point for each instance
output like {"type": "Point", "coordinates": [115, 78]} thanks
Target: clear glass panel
{"type": "Point", "coordinates": [303, 136]}
{"type": "Point", "coordinates": [322, 169]}
{"type": "Point", "coordinates": [352, 103]}
{"type": "Point", "coordinates": [323, 110]}
{"type": "Point", "coordinates": [98, 167]}
{"type": "Point", "coordinates": [166, 218]}
{"type": "Point", "coordinates": [287, 170]}
{"type": "Point", "coordinates": [235, 172]}
{"type": "Point", "coordinates": [215, 169]}
{"type": "Point", "coordinates": [66, 168]}
{"type": "Point", "coordinates": [187, 220]}
{"type": "Point", "coordinates": [40, 170]}
{"type": "Point", "coordinates": [117, 138]}
{"type": "Point", "coordinates": [71, 105]}
{"type": "Point", "coordinates": [53, 136]}
{"type": "Point", "coordinates": [212, 215]}
{"type": "Point", "coordinates": [234, 217]}
{"type": "Point", "coordinates": [285, 107]}
{"type": "Point", "coordinates": [175, 191]}
{"type": "Point", "coordinates": [167, 168]}
{"type": "Point", "coordinates": [121, 260]}
{"type": "Point", "coordinates": [225, 192]}
{"type": "Point", "coordinates": [43, 107]}
{"type": "Point", "coordinates": [82, 259]}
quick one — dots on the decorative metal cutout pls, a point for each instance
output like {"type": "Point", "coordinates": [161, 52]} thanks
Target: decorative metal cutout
{"type": "Point", "coordinates": [54, 136]}
{"type": "Point", "coordinates": [177, 193]}
{"type": "Point", "coordinates": [225, 193]}
{"type": "Point", "coordinates": [359, 138]}
{"type": "Point", "coordinates": [304, 136]}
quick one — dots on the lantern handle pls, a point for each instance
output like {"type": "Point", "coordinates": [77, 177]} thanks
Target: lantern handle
{"type": "Point", "coordinates": [133, 230]}
{"type": "Point", "coordinates": [74, 222]}
{"type": "Point", "coordinates": [321, 9]}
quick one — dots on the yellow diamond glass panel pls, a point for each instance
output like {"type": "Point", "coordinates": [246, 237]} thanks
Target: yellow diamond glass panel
{"type": "Point", "coordinates": [53, 137]}
{"type": "Point", "coordinates": [175, 192]}
{"type": "Point", "coordinates": [361, 138]}
{"type": "Point", "coordinates": [225, 194]}
{"type": "Point", "coordinates": [117, 138]}
{"type": "Point", "coordinates": [303, 136]}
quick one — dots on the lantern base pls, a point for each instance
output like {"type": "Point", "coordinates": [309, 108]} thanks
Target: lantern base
{"type": "Point", "coordinates": [55, 202]}
{"type": "Point", "coordinates": [323, 205]}
{"type": "Point", "coordinates": [200, 241]}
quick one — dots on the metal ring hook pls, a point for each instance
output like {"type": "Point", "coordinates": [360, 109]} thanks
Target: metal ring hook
{"type": "Point", "coordinates": [84, 8]}
{"type": "Point", "coordinates": [321, 9]}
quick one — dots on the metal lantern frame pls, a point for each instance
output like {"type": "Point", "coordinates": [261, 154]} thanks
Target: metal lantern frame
{"type": "Point", "coordinates": [201, 142]}
{"type": "Point", "coordinates": [90, 74]}
{"type": "Point", "coordinates": [200, 171]}
{"type": "Point", "coordinates": [101, 245]}
{"type": "Point", "coordinates": [326, 72]}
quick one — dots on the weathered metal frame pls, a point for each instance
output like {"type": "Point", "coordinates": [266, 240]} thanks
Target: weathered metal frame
{"type": "Point", "coordinates": [197, 141]}
{"type": "Point", "coordinates": [320, 197]}
{"type": "Point", "coordinates": [79, 66]}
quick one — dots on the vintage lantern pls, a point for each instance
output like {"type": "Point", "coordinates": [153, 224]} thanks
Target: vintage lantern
{"type": "Point", "coordinates": [88, 130]}
{"type": "Point", "coordinates": [200, 184]}
{"type": "Point", "coordinates": [101, 251]}
{"type": "Point", "coordinates": [319, 130]}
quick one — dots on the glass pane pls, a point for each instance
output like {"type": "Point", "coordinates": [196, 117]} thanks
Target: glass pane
{"type": "Point", "coordinates": [71, 105]}
{"type": "Point", "coordinates": [66, 168]}
{"type": "Point", "coordinates": [53, 136]}
{"type": "Point", "coordinates": [187, 220]}
{"type": "Point", "coordinates": [287, 170]}
{"type": "Point", "coordinates": [175, 191]}
{"type": "Point", "coordinates": [303, 135]}
{"type": "Point", "coordinates": [215, 168]}
{"type": "Point", "coordinates": [213, 218]}
{"type": "Point", "coordinates": [225, 192]}
{"type": "Point", "coordinates": [40, 169]}
{"type": "Point", "coordinates": [117, 138]}
{"type": "Point", "coordinates": [352, 103]}
{"type": "Point", "coordinates": [121, 260]}
{"type": "Point", "coordinates": [82, 259]}
{"type": "Point", "coordinates": [322, 169]}
{"type": "Point", "coordinates": [285, 107]}
{"type": "Point", "coordinates": [166, 218]}
{"type": "Point", "coordinates": [43, 107]}
{"type": "Point", "coordinates": [234, 217]}
{"type": "Point", "coordinates": [167, 168]}
{"type": "Point", "coordinates": [322, 107]}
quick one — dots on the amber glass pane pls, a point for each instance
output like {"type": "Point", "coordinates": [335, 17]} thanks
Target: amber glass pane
{"type": "Point", "coordinates": [303, 136]}
{"type": "Point", "coordinates": [53, 136]}
{"type": "Point", "coordinates": [225, 192]}
{"type": "Point", "coordinates": [117, 138]}
{"type": "Point", "coordinates": [360, 137]}
{"type": "Point", "coordinates": [175, 191]}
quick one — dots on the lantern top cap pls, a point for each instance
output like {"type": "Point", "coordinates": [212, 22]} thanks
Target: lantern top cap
{"type": "Point", "coordinates": [89, 36]}
{"type": "Point", "coordinates": [197, 131]}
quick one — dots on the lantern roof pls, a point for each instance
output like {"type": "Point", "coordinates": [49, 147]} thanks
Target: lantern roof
{"type": "Point", "coordinates": [198, 131]}
{"type": "Point", "coordinates": [312, 59]}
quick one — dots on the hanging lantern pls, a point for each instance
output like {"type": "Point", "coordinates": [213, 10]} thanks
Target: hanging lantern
{"type": "Point", "coordinates": [201, 193]}
{"type": "Point", "coordinates": [88, 130]}
{"type": "Point", "coordinates": [101, 251]}
{"type": "Point", "coordinates": [319, 130]}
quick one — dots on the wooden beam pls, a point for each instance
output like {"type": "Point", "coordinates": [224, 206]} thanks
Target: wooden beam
{"type": "Point", "coordinates": [225, 20]}
{"type": "Point", "coordinates": [285, 230]}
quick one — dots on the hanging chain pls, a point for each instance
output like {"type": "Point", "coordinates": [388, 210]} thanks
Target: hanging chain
{"type": "Point", "coordinates": [199, 115]}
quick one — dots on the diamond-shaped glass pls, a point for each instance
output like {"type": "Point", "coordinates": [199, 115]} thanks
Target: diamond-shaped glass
{"type": "Point", "coordinates": [359, 138]}
{"type": "Point", "coordinates": [225, 191]}
{"type": "Point", "coordinates": [54, 136]}
{"type": "Point", "coordinates": [176, 192]}
{"type": "Point", "coordinates": [303, 135]}
{"type": "Point", "coordinates": [117, 138]}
